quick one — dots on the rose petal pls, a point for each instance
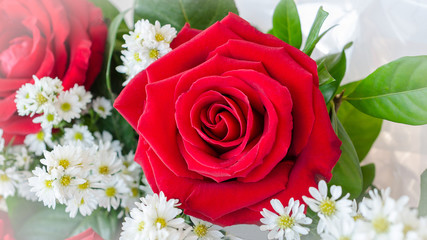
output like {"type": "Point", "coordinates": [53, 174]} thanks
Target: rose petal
{"type": "Point", "coordinates": [185, 35]}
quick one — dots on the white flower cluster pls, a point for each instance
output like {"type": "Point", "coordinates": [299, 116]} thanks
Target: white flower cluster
{"type": "Point", "coordinates": [86, 173]}
{"type": "Point", "coordinates": [378, 217]}
{"type": "Point", "coordinates": [158, 218]}
{"type": "Point", "coordinates": [143, 46]}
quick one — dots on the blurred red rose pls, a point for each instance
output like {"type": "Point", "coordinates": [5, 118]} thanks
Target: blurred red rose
{"type": "Point", "coordinates": [230, 119]}
{"type": "Point", "coordinates": [56, 38]}
{"type": "Point", "coordinates": [89, 234]}
{"type": "Point", "coordinates": [6, 232]}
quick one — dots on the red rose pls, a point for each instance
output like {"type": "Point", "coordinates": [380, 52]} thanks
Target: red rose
{"type": "Point", "coordinates": [56, 38]}
{"type": "Point", "coordinates": [89, 234]}
{"type": "Point", "coordinates": [230, 119]}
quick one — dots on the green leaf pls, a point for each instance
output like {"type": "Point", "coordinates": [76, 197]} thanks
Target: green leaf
{"type": "Point", "coordinates": [368, 172]}
{"type": "Point", "coordinates": [336, 65]}
{"type": "Point", "coordinates": [347, 172]}
{"type": "Point", "coordinates": [348, 88]}
{"type": "Point", "coordinates": [199, 14]}
{"type": "Point", "coordinates": [362, 129]}
{"type": "Point", "coordinates": [109, 11]}
{"type": "Point", "coordinates": [422, 207]}
{"type": "Point", "coordinates": [313, 36]}
{"type": "Point", "coordinates": [396, 91]}
{"type": "Point", "coordinates": [111, 40]}
{"type": "Point", "coordinates": [286, 23]}
{"type": "Point", "coordinates": [33, 221]}
{"type": "Point", "coordinates": [324, 76]}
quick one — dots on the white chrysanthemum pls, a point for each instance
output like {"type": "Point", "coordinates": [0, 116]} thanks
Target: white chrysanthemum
{"type": "Point", "coordinates": [42, 185]}
{"type": "Point", "coordinates": [130, 169]}
{"type": "Point", "coordinates": [39, 142]}
{"type": "Point", "coordinates": [328, 207]}
{"type": "Point", "coordinates": [163, 34]}
{"type": "Point", "coordinates": [102, 107]}
{"type": "Point", "coordinates": [40, 96]}
{"type": "Point", "coordinates": [78, 134]}
{"type": "Point", "coordinates": [204, 231]}
{"type": "Point", "coordinates": [48, 119]}
{"type": "Point", "coordinates": [113, 190]}
{"type": "Point", "coordinates": [135, 226]}
{"type": "Point", "coordinates": [24, 188]}
{"type": "Point", "coordinates": [68, 106]}
{"type": "Point", "coordinates": [8, 182]}
{"type": "Point", "coordinates": [288, 223]}
{"type": "Point", "coordinates": [135, 39]}
{"type": "Point", "coordinates": [106, 162]}
{"type": "Point", "coordinates": [23, 100]}
{"type": "Point", "coordinates": [339, 229]}
{"type": "Point", "coordinates": [420, 233]}
{"type": "Point", "coordinates": [85, 204]}
{"type": "Point", "coordinates": [146, 186]}
{"type": "Point", "coordinates": [151, 54]}
{"type": "Point", "coordinates": [105, 140]}
{"type": "Point", "coordinates": [65, 159]}
{"type": "Point", "coordinates": [23, 157]}
{"type": "Point", "coordinates": [65, 186]}
{"type": "Point", "coordinates": [382, 215]}
{"type": "Point", "coordinates": [84, 96]}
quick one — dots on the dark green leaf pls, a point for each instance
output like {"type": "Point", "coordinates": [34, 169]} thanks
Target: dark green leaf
{"type": "Point", "coordinates": [111, 40]}
{"type": "Point", "coordinates": [108, 9]}
{"type": "Point", "coordinates": [286, 23]}
{"type": "Point", "coordinates": [324, 76]}
{"type": "Point", "coordinates": [199, 14]}
{"type": "Point", "coordinates": [422, 207]}
{"type": "Point", "coordinates": [396, 91]}
{"type": "Point", "coordinates": [362, 129]}
{"type": "Point", "coordinates": [33, 221]}
{"type": "Point", "coordinates": [368, 172]}
{"type": "Point", "coordinates": [336, 65]}
{"type": "Point", "coordinates": [347, 172]}
{"type": "Point", "coordinates": [313, 36]}
{"type": "Point", "coordinates": [348, 88]}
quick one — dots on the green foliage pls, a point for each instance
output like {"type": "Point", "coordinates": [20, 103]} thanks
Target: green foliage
{"type": "Point", "coordinates": [324, 76]}
{"type": "Point", "coordinates": [336, 65]}
{"type": "Point", "coordinates": [313, 36]}
{"type": "Point", "coordinates": [199, 14]}
{"type": "Point", "coordinates": [286, 23]}
{"type": "Point", "coordinates": [422, 207]}
{"type": "Point", "coordinates": [347, 172]}
{"type": "Point", "coordinates": [368, 172]}
{"type": "Point", "coordinates": [362, 129]}
{"type": "Point", "coordinates": [396, 91]}
{"type": "Point", "coordinates": [33, 221]}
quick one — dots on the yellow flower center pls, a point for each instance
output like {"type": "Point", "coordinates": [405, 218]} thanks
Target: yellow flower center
{"type": "Point", "coordinates": [201, 230]}
{"type": "Point", "coordinates": [48, 183]}
{"type": "Point", "coordinates": [161, 221]}
{"type": "Point", "coordinates": [78, 136]}
{"type": "Point", "coordinates": [40, 99]}
{"type": "Point", "coordinates": [159, 37]}
{"type": "Point", "coordinates": [66, 107]}
{"type": "Point", "coordinates": [357, 217]}
{"type": "Point", "coordinates": [103, 170]}
{"type": "Point", "coordinates": [380, 224]}
{"type": "Point", "coordinates": [285, 222]}
{"type": "Point", "coordinates": [84, 186]}
{"type": "Point", "coordinates": [50, 117]}
{"type": "Point", "coordinates": [344, 238]}
{"type": "Point", "coordinates": [407, 228]}
{"type": "Point", "coordinates": [82, 201]}
{"type": "Point", "coordinates": [141, 226]}
{"type": "Point", "coordinates": [64, 163]}
{"type": "Point", "coordinates": [65, 180]}
{"type": "Point", "coordinates": [101, 109]}
{"type": "Point", "coordinates": [154, 53]}
{"type": "Point", "coordinates": [4, 178]}
{"type": "Point", "coordinates": [110, 192]}
{"type": "Point", "coordinates": [40, 136]}
{"type": "Point", "coordinates": [136, 57]}
{"type": "Point", "coordinates": [327, 207]}
{"type": "Point", "coordinates": [135, 192]}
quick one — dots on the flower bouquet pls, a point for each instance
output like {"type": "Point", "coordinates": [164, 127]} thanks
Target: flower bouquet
{"type": "Point", "coordinates": [187, 120]}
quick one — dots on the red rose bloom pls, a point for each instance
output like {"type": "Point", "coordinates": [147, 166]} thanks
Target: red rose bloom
{"type": "Point", "coordinates": [230, 119]}
{"type": "Point", "coordinates": [56, 38]}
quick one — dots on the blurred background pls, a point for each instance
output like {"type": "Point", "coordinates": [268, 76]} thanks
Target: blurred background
{"type": "Point", "coordinates": [382, 31]}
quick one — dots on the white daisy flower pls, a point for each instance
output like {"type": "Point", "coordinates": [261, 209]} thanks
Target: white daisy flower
{"type": "Point", "coordinates": [68, 106]}
{"type": "Point", "coordinates": [136, 38]}
{"type": "Point", "coordinates": [65, 186]}
{"type": "Point", "coordinates": [8, 182]}
{"type": "Point", "coordinates": [85, 204]}
{"type": "Point", "coordinates": [48, 119]}
{"type": "Point", "coordinates": [84, 96]}
{"type": "Point", "coordinates": [328, 207]}
{"type": "Point", "coordinates": [39, 142]}
{"type": "Point", "coordinates": [23, 157]}
{"type": "Point", "coordinates": [65, 159]}
{"type": "Point", "coordinates": [113, 190]}
{"type": "Point", "coordinates": [43, 94]}
{"type": "Point", "coordinates": [24, 188]}
{"type": "Point", "coordinates": [152, 53]}
{"type": "Point", "coordinates": [135, 226]}
{"type": "Point", "coordinates": [102, 107]}
{"type": "Point", "coordinates": [420, 233]}
{"type": "Point", "coordinates": [1, 140]}
{"type": "Point", "coordinates": [339, 229]}
{"type": "Point", "coordinates": [42, 185]}
{"type": "Point", "coordinates": [105, 140]}
{"type": "Point", "coordinates": [164, 33]}
{"type": "Point", "coordinates": [204, 231]}
{"type": "Point", "coordinates": [130, 169]}
{"type": "Point", "coordinates": [106, 162]}
{"type": "Point", "coordinates": [381, 213]}
{"type": "Point", "coordinates": [288, 223]}
{"type": "Point", "coordinates": [146, 187]}
{"type": "Point", "coordinates": [78, 134]}
{"type": "Point", "coordinates": [23, 100]}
